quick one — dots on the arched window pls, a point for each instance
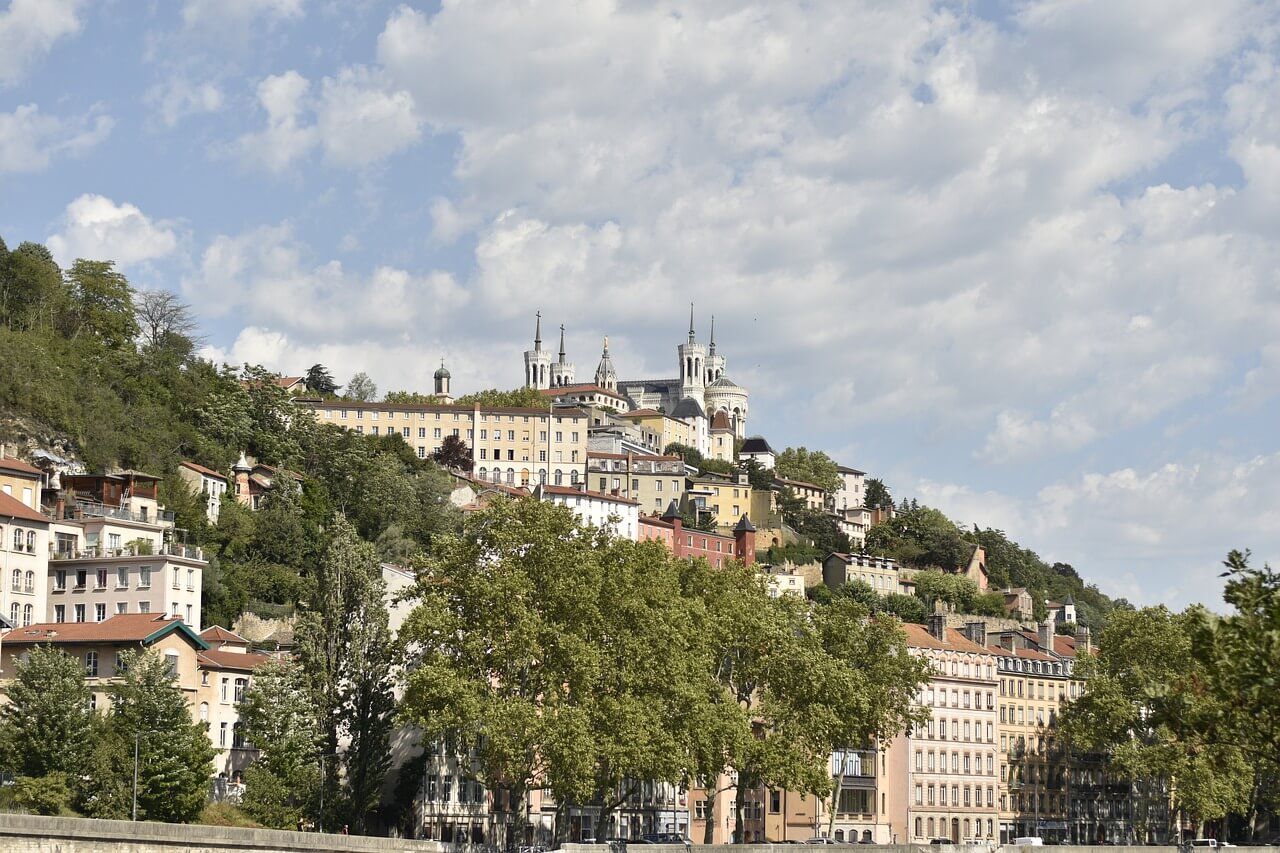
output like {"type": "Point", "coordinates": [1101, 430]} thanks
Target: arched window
{"type": "Point", "coordinates": [17, 580]}
{"type": "Point", "coordinates": [511, 476]}
{"type": "Point", "coordinates": [839, 836]}
{"type": "Point", "coordinates": [930, 827]}
{"type": "Point", "coordinates": [31, 541]}
{"type": "Point", "coordinates": [559, 478]}
{"type": "Point", "coordinates": [30, 582]}
{"type": "Point", "coordinates": [919, 826]}
{"type": "Point", "coordinates": [484, 473]}
{"type": "Point", "coordinates": [17, 539]}
{"type": "Point", "coordinates": [204, 713]}
{"type": "Point", "coordinates": [26, 615]}
{"type": "Point", "coordinates": [573, 478]}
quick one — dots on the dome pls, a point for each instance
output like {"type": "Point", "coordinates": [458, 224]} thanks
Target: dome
{"type": "Point", "coordinates": [726, 383]}
{"type": "Point", "coordinates": [442, 372]}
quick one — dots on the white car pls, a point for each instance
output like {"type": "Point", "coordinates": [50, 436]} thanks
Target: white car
{"type": "Point", "coordinates": [1028, 841]}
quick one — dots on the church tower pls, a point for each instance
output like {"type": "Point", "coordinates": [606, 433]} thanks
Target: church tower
{"type": "Point", "coordinates": [715, 363]}
{"type": "Point", "coordinates": [442, 379]}
{"type": "Point", "coordinates": [606, 376]}
{"type": "Point", "coordinates": [562, 370]}
{"type": "Point", "coordinates": [693, 364]}
{"type": "Point", "coordinates": [537, 364]}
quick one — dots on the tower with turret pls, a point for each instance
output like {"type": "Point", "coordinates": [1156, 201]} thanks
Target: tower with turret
{"type": "Point", "coordinates": [606, 376]}
{"type": "Point", "coordinates": [562, 370]}
{"type": "Point", "coordinates": [537, 362]}
{"type": "Point", "coordinates": [693, 364]}
{"type": "Point", "coordinates": [443, 378]}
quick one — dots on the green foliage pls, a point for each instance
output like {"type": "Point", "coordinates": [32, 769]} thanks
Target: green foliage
{"type": "Point", "coordinates": [104, 303]}
{"type": "Point", "coordinates": [280, 720]}
{"type": "Point", "coordinates": [809, 466]}
{"type": "Point", "coordinates": [45, 727]}
{"type": "Point", "coordinates": [319, 381]}
{"type": "Point", "coordinates": [174, 754]}
{"type": "Point", "coordinates": [344, 644]}
{"type": "Point", "coordinates": [360, 387]}
{"type": "Point", "coordinates": [922, 538]}
{"type": "Point", "coordinates": [877, 495]}
{"type": "Point", "coordinates": [453, 453]}
{"type": "Point", "coordinates": [760, 477]}
{"type": "Point", "coordinates": [411, 398]}
{"type": "Point", "coordinates": [516, 398]}
{"type": "Point", "coordinates": [46, 795]}
{"type": "Point", "coordinates": [227, 814]}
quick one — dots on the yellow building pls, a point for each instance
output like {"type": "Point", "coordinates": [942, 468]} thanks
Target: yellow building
{"type": "Point", "coordinates": [670, 430]}
{"type": "Point", "coordinates": [814, 496]}
{"type": "Point", "coordinates": [513, 446]}
{"type": "Point", "coordinates": [722, 498]}
{"type": "Point", "coordinates": [723, 438]}
{"type": "Point", "coordinates": [1036, 682]}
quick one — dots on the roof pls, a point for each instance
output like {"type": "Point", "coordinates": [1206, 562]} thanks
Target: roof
{"type": "Point", "coordinates": [145, 628]}
{"type": "Point", "coordinates": [200, 469]}
{"type": "Point", "coordinates": [289, 381]}
{"type": "Point", "coordinates": [245, 661]}
{"type": "Point", "coordinates": [10, 463]}
{"type": "Point", "coordinates": [1024, 653]}
{"type": "Point", "coordinates": [720, 421]}
{"type": "Point", "coordinates": [637, 457]}
{"type": "Point", "coordinates": [1064, 645]}
{"type": "Point", "coordinates": [566, 491]}
{"type": "Point", "coordinates": [14, 508]}
{"type": "Point", "coordinates": [846, 470]}
{"type": "Point", "coordinates": [744, 525]}
{"type": "Point", "coordinates": [218, 634]}
{"type": "Point", "coordinates": [784, 481]}
{"type": "Point", "coordinates": [755, 444]}
{"type": "Point", "coordinates": [688, 408]}
{"type": "Point", "coordinates": [724, 382]}
{"type": "Point", "coordinates": [584, 388]}
{"type": "Point", "coordinates": [643, 413]}
{"type": "Point", "coordinates": [918, 637]}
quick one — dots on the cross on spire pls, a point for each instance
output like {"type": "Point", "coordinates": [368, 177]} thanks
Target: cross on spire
{"type": "Point", "coordinates": [537, 333]}
{"type": "Point", "coordinates": [690, 322]}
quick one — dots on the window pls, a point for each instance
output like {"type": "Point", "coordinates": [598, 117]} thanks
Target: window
{"type": "Point", "coordinates": [79, 612]}
{"type": "Point", "coordinates": [226, 682]}
{"type": "Point", "coordinates": [222, 734]}
{"type": "Point", "coordinates": [919, 795]}
{"type": "Point", "coordinates": [59, 613]}
{"type": "Point", "coordinates": [99, 612]}
{"type": "Point", "coordinates": [144, 606]}
{"type": "Point", "coordinates": [122, 607]}
{"type": "Point", "coordinates": [191, 580]}
{"type": "Point", "coordinates": [144, 577]}
{"type": "Point", "coordinates": [242, 684]}
{"type": "Point", "coordinates": [204, 713]}
{"type": "Point", "coordinates": [171, 658]}
{"type": "Point", "coordinates": [122, 577]}
{"type": "Point", "coordinates": [82, 577]}
{"type": "Point", "coordinates": [91, 664]}
{"type": "Point", "coordinates": [60, 580]}
{"type": "Point", "coordinates": [17, 580]}
{"type": "Point", "coordinates": [102, 579]}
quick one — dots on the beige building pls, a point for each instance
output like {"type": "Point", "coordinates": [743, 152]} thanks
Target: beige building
{"type": "Point", "coordinates": [652, 481]}
{"type": "Point", "coordinates": [668, 429]}
{"type": "Point", "coordinates": [722, 498]}
{"type": "Point", "coordinates": [949, 762]}
{"type": "Point", "coordinates": [883, 574]}
{"type": "Point", "coordinates": [205, 482]}
{"type": "Point", "coordinates": [24, 561]}
{"type": "Point", "coordinates": [814, 496]}
{"type": "Point", "coordinates": [723, 438]}
{"type": "Point", "coordinates": [226, 669]}
{"type": "Point", "coordinates": [513, 446]}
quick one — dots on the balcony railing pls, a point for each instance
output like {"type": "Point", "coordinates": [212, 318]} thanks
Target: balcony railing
{"type": "Point", "coordinates": [98, 552]}
{"type": "Point", "coordinates": [90, 509]}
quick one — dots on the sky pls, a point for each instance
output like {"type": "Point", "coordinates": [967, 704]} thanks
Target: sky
{"type": "Point", "coordinates": [1019, 259]}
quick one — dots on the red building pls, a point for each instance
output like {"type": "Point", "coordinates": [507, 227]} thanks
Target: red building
{"type": "Point", "coordinates": [717, 548]}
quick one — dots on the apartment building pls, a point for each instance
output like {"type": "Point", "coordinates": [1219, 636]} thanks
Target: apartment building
{"type": "Point", "coordinates": [716, 548]}
{"type": "Point", "coordinates": [668, 429]}
{"type": "Point", "coordinates": [724, 437]}
{"type": "Point", "coordinates": [24, 561]}
{"type": "Point", "coordinates": [949, 762]}
{"type": "Point", "coordinates": [652, 481]}
{"type": "Point", "coordinates": [513, 446]}
{"type": "Point", "coordinates": [115, 551]}
{"type": "Point", "coordinates": [720, 499]}
{"type": "Point", "coordinates": [205, 482]}
{"type": "Point", "coordinates": [883, 574]}
{"type": "Point", "coordinates": [226, 672]}
{"type": "Point", "coordinates": [619, 515]}
{"type": "Point", "coordinates": [814, 496]}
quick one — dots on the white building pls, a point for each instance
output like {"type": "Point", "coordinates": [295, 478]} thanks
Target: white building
{"type": "Point", "coordinates": [207, 482]}
{"type": "Point", "coordinates": [758, 449]}
{"type": "Point", "coordinates": [611, 512]}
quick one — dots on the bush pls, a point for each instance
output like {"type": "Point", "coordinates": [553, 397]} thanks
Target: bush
{"type": "Point", "coordinates": [47, 795]}
{"type": "Point", "coordinates": [227, 814]}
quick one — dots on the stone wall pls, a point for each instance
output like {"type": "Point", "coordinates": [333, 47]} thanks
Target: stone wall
{"type": "Point", "coordinates": [32, 834]}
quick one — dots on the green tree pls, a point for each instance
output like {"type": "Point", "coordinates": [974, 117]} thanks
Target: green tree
{"type": "Point", "coordinates": [360, 387]}
{"type": "Point", "coordinates": [279, 718]}
{"type": "Point", "coordinates": [104, 303]}
{"type": "Point", "coordinates": [516, 398]}
{"type": "Point", "coordinates": [877, 495]}
{"type": "Point", "coordinates": [344, 644]}
{"type": "Point", "coordinates": [411, 398]}
{"type": "Point", "coordinates": [453, 453]}
{"type": "Point", "coordinates": [175, 759]}
{"type": "Point", "coordinates": [809, 466]}
{"type": "Point", "coordinates": [320, 381]}
{"type": "Point", "coordinates": [45, 727]}
{"type": "Point", "coordinates": [921, 537]}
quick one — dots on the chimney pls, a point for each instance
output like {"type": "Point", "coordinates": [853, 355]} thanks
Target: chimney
{"type": "Point", "coordinates": [937, 623]}
{"type": "Point", "coordinates": [1044, 634]}
{"type": "Point", "coordinates": [1006, 640]}
{"type": "Point", "coordinates": [1083, 643]}
{"type": "Point", "coordinates": [976, 631]}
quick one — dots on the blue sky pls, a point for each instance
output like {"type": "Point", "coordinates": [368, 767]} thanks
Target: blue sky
{"type": "Point", "coordinates": [1017, 258]}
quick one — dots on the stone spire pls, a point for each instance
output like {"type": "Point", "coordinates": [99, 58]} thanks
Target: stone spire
{"type": "Point", "coordinates": [690, 322]}
{"type": "Point", "coordinates": [713, 335]}
{"type": "Point", "coordinates": [562, 343]}
{"type": "Point", "coordinates": [537, 334]}
{"type": "Point", "coordinates": [606, 376]}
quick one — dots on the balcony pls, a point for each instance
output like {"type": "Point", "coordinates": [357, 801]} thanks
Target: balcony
{"type": "Point", "coordinates": [90, 509]}
{"type": "Point", "coordinates": [98, 552]}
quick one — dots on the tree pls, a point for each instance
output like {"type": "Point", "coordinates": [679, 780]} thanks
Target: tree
{"type": "Point", "coordinates": [690, 455]}
{"type": "Point", "coordinates": [809, 466]}
{"type": "Point", "coordinates": [280, 720]}
{"type": "Point", "coordinates": [517, 398]}
{"type": "Point", "coordinates": [344, 644]}
{"type": "Point", "coordinates": [45, 728]}
{"type": "Point", "coordinates": [411, 398]}
{"type": "Point", "coordinates": [877, 495]}
{"type": "Point", "coordinates": [921, 537]}
{"type": "Point", "coordinates": [104, 303]}
{"type": "Point", "coordinates": [319, 381]}
{"type": "Point", "coordinates": [453, 453]}
{"type": "Point", "coordinates": [175, 759]}
{"type": "Point", "coordinates": [1148, 710]}
{"type": "Point", "coordinates": [164, 320]}
{"type": "Point", "coordinates": [760, 477]}
{"type": "Point", "coordinates": [360, 387]}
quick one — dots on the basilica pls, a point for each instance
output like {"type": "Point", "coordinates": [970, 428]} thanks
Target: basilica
{"type": "Point", "coordinates": [701, 392]}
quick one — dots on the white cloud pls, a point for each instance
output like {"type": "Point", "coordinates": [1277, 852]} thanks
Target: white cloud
{"type": "Point", "coordinates": [178, 98]}
{"type": "Point", "coordinates": [360, 122]}
{"type": "Point", "coordinates": [96, 228]}
{"type": "Point", "coordinates": [28, 30]}
{"type": "Point", "coordinates": [31, 140]}
{"type": "Point", "coordinates": [238, 14]}
{"type": "Point", "coordinates": [286, 138]}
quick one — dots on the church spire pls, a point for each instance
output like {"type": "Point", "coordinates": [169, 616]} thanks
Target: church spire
{"type": "Point", "coordinates": [562, 343]}
{"type": "Point", "coordinates": [713, 334]}
{"type": "Point", "coordinates": [537, 334]}
{"type": "Point", "coordinates": [690, 322]}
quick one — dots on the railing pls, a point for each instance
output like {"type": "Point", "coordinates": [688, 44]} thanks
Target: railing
{"type": "Point", "coordinates": [98, 552]}
{"type": "Point", "coordinates": [91, 509]}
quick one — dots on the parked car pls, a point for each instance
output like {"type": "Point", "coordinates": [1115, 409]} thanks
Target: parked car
{"type": "Point", "coordinates": [1028, 841]}
{"type": "Point", "coordinates": [1204, 842]}
{"type": "Point", "coordinates": [819, 840]}
{"type": "Point", "coordinates": [941, 842]}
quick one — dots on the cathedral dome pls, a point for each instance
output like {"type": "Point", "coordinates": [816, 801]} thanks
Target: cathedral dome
{"type": "Point", "coordinates": [725, 382]}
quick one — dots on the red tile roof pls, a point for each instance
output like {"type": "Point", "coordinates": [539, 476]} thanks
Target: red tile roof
{"type": "Point", "coordinates": [918, 637]}
{"type": "Point", "coordinates": [10, 463]}
{"type": "Point", "coordinates": [585, 388]}
{"type": "Point", "coordinates": [218, 634]}
{"type": "Point", "coordinates": [642, 413]}
{"type": "Point", "coordinates": [14, 508]}
{"type": "Point", "coordinates": [208, 472]}
{"type": "Point", "coordinates": [122, 628]}
{"type": "Point", "coordinates": [245, 661]}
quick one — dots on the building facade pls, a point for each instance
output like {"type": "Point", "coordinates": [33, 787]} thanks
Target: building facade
{"type": "Point", "coordinates": [618, 515]}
